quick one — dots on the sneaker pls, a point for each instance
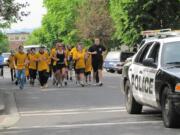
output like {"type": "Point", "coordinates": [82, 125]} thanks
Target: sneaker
{"type": "Point", "coordinates": [46, 86]}
{"type": "Point", "coordinates": [21, 87]}
{"type": "Point", "coordinates": [100, 84]}
{"type": "Point", "coordinates": [16, 82]}
{"type": "Point", "coordinates": [65, 83]}
{"type": "Point", "coordinates": [82, 83]}
{"type": "Point", "coordinates": [59, 85]}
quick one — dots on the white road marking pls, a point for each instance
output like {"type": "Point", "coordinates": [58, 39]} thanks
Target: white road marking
{"type": "Point", "coordinates": [69, 113]}
{"type": "Point", "coordinates": [86, 125]}
{"type": "Point", "coordinates": [73, 110]}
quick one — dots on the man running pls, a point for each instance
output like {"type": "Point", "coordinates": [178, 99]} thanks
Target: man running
{"type": "Point", "coordinates": [43, 67]}
{"type": "Point", "coordinates": [20, 62]}
{"type": "Point", "coordinates": [11, 60]}
{"type": "Point", "coordinates": [97, 51]}
{"type": "Point", "coordinates": [32, 65]}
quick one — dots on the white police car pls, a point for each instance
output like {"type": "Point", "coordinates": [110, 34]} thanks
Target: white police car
{"type": "Point", "coordinates": [153, 79]}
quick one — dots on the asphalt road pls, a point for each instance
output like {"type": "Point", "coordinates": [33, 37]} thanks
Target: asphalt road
{"type": "Point", "coordinates": [75, 110]}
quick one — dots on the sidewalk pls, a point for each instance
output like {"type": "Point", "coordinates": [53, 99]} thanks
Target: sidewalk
{"type": "Point", "coordinates": [8, 110]}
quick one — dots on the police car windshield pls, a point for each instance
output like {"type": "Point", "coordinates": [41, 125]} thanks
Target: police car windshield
{"type": "Point", "coordinates": [171, 54]}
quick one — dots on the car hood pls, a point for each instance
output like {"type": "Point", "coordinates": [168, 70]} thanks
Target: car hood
{"type": "Point", "coordinates": [175, 71]}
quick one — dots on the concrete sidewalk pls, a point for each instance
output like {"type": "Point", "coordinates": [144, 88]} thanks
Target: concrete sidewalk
{"type": "Point", "coordinates": [8, 111]}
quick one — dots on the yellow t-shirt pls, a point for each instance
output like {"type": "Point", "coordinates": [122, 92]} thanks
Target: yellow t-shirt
{"type": "Point", "coordinates": [73, 52]}
{"type": "Point", "coordinates": [80, 59]}
{"type": "Point", "coordinates": [43, 61]}
{"type": "Point", "coordinates": [88, 64]}
{"type": "Point", "coordinates": [20, 60]}
{"type": "Point", "coordinates": [32, 61]}
{"type": "Point", "coordinates": [11, 61]}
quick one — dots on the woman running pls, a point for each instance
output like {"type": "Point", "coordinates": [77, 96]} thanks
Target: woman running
{"type": "Point", "coordinates": [61, 65]}
{"type": "Point", "coordinates": [80, 64]}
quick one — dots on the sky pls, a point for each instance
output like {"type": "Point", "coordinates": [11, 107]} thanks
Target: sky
{"type": "Point", "coordinates": [34, 19]}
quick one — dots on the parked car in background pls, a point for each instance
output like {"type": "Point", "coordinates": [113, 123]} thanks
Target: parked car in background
{"type": "Point", "coordinates": [6, 57]}
{"type": "Point", "coordinates": [125, 56]}
{"type": "Point", "coordinates": [114, 60]}
{"type": "Point", "coordinates": [28, 47]}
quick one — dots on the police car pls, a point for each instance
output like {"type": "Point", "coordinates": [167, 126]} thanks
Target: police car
{"type": "Point", "coordinates": [153, 79]}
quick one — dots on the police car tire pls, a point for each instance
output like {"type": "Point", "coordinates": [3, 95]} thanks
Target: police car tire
{"type": "Point", "coordinates": [132, 106]}
{"type": "Point", "coordinates": [172, 119]}
{"type": "Point", "coordinates": [111, 71]}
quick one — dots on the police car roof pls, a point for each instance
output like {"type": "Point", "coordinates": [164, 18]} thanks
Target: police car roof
{"type": "Point", "coordinates": [166, 40]}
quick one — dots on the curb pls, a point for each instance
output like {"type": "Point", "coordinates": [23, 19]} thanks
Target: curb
{"type": "Point", "coordinates": [10, 114]}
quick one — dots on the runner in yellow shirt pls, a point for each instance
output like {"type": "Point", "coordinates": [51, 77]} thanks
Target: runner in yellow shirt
{"type": "Point", "coordinates": [43, 66]}
{"type": "Point", "coordinates": [80, 64]}
{"type": "Point", "coordinates": [20, 62]}
{"type": "Point", "coordinates": [27, 66]}
{"type": "Point", "coordinates": [88, 68]}
{"type": "Point", "coordinates": [11, 61]}
{"type": "Point", "coordinates": [70, 62]}
{"type": "Point", "coordinates": [32, 66]}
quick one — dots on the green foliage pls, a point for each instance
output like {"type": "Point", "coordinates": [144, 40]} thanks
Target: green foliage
{"type": "Point", "coordinates": [4, 45]}
{"type": "Point", "coordinates": [132, 16]}
{"type": "Point", "coordinates": [36, 37]}
{"type": "Point", "coordinates": [114, 21]}
{"type": "Point", "coordinates": [94, 20]}
{"type": "Point", "coordinates": [60, 19]}
{"type": "Point", "coordinates": [10, 12]}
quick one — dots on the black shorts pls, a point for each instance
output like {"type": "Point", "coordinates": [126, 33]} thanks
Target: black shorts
{"type": "Point", "coordinates": [54, 69]}
{"type": "Point", "coordinates": [87, 73]}
{"type": "Point", "coordinates": [32, 73]}
{"type": "Point", "coordinates": [80, 71]}
{"type": "Point", "coordinates": [97, 63]}
{"type": "Point", "coordinates": [60, 66]}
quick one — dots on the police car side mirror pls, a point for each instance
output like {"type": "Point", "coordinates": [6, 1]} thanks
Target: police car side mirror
{"type": "Point", "coordinates": [149, 62]}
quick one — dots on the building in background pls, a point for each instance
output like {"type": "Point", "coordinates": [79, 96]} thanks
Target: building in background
{"type": "Point", "coordinates": [17, 39]}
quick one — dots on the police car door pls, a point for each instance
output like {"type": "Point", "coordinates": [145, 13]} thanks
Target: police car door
{"type": "Point", "coordinates": [150, 72]}
{"type": "Point", "coordinates": [136, 72]}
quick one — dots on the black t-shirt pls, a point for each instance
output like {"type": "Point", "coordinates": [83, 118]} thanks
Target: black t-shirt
{"type": "Point", "coordinates": [99, 49]}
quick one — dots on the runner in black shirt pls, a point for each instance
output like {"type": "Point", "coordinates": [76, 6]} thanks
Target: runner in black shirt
{"type": "Point", "coordinates": [97, 51]}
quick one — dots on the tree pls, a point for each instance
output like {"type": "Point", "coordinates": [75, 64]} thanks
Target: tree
{"type": "Point", "coordinates": [130, 17]}
{"type": "Point", "coordinates": [4, 45]}
{"type": "Point", "coordinates": [36, 37]}
{"type": "Point", "coordinates": [94, 20]}
{"type": "Point", "coordinates": [10, 12]}
{"type": "Point", "coordinates": [59, 22]}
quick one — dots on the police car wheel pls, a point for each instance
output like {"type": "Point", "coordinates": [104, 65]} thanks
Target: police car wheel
{"type": "Point", "coordinates": [132, 106]}
{"type": "Point", "coordinates": [170, 117]}
{"type": "Point", "coordinates": [111, 71]}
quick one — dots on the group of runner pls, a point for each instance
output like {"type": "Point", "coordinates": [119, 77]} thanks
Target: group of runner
{"type": "Point", "coordinates": [59, 62]}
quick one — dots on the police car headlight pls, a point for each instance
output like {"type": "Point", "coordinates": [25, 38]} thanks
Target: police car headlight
{"type": "Point", "coordinates": [177, 88]}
